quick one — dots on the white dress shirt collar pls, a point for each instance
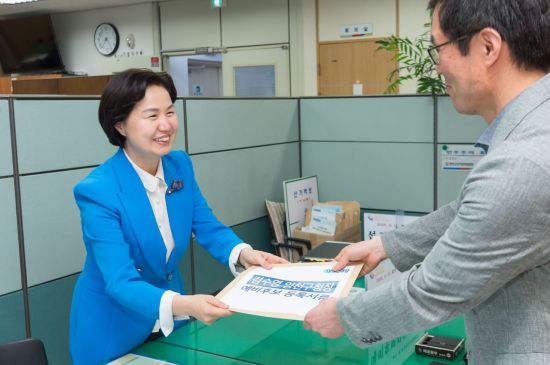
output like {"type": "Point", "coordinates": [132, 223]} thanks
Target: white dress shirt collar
{"type": "Point", "coordinates": [150, 182]}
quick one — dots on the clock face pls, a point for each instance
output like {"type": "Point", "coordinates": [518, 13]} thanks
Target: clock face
{"type": "Point", "coordinates": [106, 39]}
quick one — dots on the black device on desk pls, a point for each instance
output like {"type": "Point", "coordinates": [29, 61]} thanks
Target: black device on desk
{"type": "Point", "coordinates": [439, 346]}
{"type": "Point", "coordinates": [324, 252]}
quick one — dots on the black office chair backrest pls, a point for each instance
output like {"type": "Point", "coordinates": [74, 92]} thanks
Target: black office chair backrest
{"type": "Point", "coordinates": [26, 352]}
{"type": "Point", "coordinates": [289, 248]}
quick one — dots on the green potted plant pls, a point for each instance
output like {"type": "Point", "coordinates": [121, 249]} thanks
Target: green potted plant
{"type": "Point", "coordinates": [413, 64]}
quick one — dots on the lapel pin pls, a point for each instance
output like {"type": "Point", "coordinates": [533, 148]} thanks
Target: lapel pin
{"type": "Point", "coordinates": [177, 185]}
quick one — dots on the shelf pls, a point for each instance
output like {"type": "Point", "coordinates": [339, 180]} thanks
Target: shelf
{"type": "Point", "coordinates": [54, 84]}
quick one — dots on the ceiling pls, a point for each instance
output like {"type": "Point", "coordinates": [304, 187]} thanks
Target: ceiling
{"type": "Point", "coordinates": [62, 6]}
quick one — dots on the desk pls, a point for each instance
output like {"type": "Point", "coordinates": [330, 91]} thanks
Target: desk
{"type": "Point", "coordinates": [245, 339]}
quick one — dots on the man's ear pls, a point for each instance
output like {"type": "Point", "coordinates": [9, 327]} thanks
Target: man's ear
{"type": "Point", "coordinates": [492, 44]}
{"type": "Point", "coordinates": [119, 126]}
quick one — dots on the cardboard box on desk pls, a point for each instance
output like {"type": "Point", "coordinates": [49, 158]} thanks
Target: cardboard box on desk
{"type": "Point", "coordinates": [348, 225]}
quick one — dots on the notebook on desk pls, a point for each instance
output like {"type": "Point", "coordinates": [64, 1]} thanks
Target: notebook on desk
{"type": "Point", "coordinates": [324, 252]}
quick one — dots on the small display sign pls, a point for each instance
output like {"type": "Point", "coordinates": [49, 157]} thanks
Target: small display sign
{"type": "Point", "coordinates": [460, 157]}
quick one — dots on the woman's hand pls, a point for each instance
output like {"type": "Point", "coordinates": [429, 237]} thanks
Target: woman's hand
{"type": "Point", "coordinates": [205, 308]}
{"type": "Point", "coordinates": [250, 257]}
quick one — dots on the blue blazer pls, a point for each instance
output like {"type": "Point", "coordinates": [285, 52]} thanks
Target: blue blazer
{"type": "Point", "coordinates": [116, 298]}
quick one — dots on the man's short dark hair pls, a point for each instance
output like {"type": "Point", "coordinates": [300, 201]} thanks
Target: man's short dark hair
{"type": "Point", "coordinates": [523, 24]}
{"type": "Point", "coordinates": [122, 93]}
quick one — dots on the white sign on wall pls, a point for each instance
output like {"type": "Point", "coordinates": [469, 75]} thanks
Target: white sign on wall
{"type": "Point", "coordinates": [356, 30]}
{"type": "Point", "coordinates": [373, 225]}
{"type": "Point", "coordinates": [460, 157]}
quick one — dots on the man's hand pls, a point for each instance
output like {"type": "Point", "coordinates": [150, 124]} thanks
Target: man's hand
{"type": "Point", "coordinates": [370, 253]}
{"type": "Point", "coordinates": [250, 257]}
{"type": "Point", "coordinates": [324, 320]}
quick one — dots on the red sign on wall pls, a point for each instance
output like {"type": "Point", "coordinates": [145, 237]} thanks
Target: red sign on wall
{"type": "Point", "coordinates": [155, 61]}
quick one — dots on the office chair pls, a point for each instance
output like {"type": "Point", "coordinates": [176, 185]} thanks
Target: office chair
{"type": "Point", "coordinates": [289, 248]}
{"type": "Point", "coordinates": [25, 352]}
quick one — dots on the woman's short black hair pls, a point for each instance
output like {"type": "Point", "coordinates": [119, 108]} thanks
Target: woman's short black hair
{"type": "Point", "coordinates": [523, 24]}
{"type": "Point", "coordinates": [122, 93]}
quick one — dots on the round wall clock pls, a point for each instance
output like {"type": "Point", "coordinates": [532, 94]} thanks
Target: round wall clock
{"type": "Point", "coordinates": [106, 39]}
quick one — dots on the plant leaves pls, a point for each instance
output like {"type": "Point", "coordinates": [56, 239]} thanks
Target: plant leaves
{"type": "Point", "coordinates": [413, 63]}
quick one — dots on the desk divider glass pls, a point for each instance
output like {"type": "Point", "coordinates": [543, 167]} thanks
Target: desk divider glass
{"type": "Point", "coordinates": [272, 341]}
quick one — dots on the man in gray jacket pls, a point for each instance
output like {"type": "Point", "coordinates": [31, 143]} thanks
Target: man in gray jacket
{"type": "Point", "coordinates": [487, 254]}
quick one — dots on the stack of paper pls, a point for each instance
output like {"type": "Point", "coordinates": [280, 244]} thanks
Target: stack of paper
{"type": "Point", "coordinates": [134, 359]}
{"type": "Point", "coordinates": [323, 219]}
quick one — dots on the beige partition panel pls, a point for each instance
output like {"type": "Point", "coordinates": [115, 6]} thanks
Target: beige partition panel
{"type": "Point", "coordinates": [255, 22]}
{"type": "Point", "coordinates": [189, 24]}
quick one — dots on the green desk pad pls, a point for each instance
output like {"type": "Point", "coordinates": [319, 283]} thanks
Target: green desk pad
{"type": "Point", "coordinates": [261, 340]}
{"type": "Point", "coordinates": [180, 355]}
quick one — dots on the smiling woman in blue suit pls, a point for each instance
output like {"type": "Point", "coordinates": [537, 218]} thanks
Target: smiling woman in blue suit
{"type": "Point", "coordinates": [138, 210]}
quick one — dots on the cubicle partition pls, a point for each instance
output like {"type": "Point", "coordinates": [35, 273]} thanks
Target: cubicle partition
{"type": "Point", "coordinates": [384, 151]}
{"type": "Point", "coordinates": [12, 314]}
{"type": "Point", "coordinates": [453, 128]}
{"type": "Point", "coordinates": [381, 151]}
{"type": "Point", "coordinates": [242, 150]}
{"type": "Point", "coordinates": [376, 150]}
{"type": "Point", "coordinates": [59, 141]}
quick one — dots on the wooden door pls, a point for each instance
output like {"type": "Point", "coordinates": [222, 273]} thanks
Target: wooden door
{"type": "Point", "coordinates": [341, 64]}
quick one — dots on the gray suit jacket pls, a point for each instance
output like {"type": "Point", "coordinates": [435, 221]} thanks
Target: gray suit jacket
{"type": "Point", "coordinates": [486, 255]}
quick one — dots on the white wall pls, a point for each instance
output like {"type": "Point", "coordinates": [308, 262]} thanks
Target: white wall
{"type": "Point", "coordinates": [189, 24]}
{"type": "Point", "coordinates": [380, 13]}
{"type": "Point", "coordinates": [74, 32]}
{"type": "Point", "coordinates": [254, 32]}
{"type": "Point", "coordinates": [264, 21]}
{"type": "Point", "coordinates": [192, 23]}
{"type": "Point", "coordinates": [413, 16]}
{"type": "Point", "coordinates": [254, 22]}
{"type": "Point", "coordinates": [333, 14]}
{"type": "Point", "coordinates": [303, 48]}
